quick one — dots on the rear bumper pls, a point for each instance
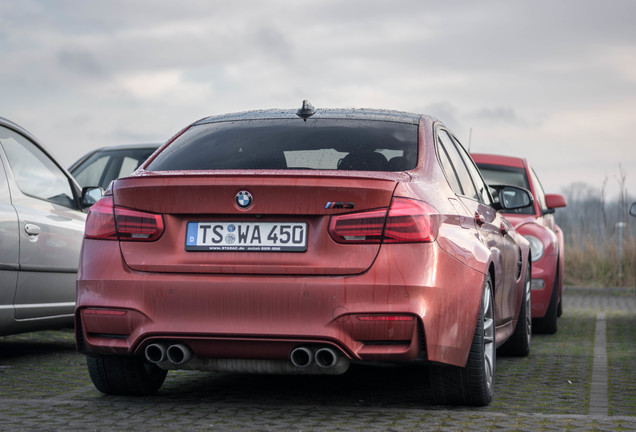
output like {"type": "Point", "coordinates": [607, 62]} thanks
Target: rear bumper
{"type": "Point", "coordinates": [415, 302]}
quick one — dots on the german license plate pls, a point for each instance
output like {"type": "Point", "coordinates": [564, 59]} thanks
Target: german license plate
{"type": "Point", "coordinates": [246, 236]}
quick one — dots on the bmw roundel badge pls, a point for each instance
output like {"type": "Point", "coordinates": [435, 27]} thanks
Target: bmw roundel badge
{"type": "Point", "coordinates": [243, 199]}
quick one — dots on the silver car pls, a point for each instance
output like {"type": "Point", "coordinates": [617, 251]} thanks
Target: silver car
{"type": "Point", "coordinates": [41, 231]}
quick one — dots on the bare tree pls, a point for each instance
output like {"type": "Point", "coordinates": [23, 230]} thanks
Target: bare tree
{"type": "Point", "coordinates": [597, 231]}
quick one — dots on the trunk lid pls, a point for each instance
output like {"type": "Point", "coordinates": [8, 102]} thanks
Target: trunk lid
{"type": "Point", "coordinates": [295, 204]}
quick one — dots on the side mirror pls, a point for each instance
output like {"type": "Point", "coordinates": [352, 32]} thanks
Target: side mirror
{"type": "Point", "coordinates": [632, 209]}
{"type": "Point", "coordinates": [553, 201]}
{"type": "Point", "coordinates": [511, 197]}
{"type": "Point", "coordinates": [90, 195]}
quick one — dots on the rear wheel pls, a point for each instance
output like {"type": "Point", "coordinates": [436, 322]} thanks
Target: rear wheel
{"type": "Point", "coordinates": [124, 375]}
{"type": "Point", "coordinates": [519, 342]}
{"type": "Point", "coordinates": [473, 384]}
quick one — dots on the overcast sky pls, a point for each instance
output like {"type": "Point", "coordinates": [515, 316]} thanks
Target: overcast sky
{"type": "Point", "coordinates": [553, 81]}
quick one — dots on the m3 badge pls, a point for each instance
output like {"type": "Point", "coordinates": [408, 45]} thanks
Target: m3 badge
{"type": "Point", "coordinates": [339, 205]}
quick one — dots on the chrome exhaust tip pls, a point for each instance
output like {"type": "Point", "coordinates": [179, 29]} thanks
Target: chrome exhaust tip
{"type": "Point", "coordinates": [326, 357]}
{"type": "Point", "coordinates": [301, 357]}
{"type": "Point", "coordinates": [178, 354]}
{"type": "Point", "coordinates": [155, 353]}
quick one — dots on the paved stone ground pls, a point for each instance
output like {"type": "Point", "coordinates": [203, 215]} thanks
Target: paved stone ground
{"type": "Point", "coordinates": [44, 385]}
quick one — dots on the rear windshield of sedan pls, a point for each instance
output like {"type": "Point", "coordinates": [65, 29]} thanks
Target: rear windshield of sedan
{"type": "Point", "coordinates": [317, 144]}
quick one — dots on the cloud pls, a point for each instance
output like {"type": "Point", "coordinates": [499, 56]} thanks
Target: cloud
{"type": "Point", "coordinates": [496, 115]}
{"type": "Point", "coordinates": [164, 85]}
{"type": "Point", "coordinates": [79, 61]}
{"type": "Point", "coordinates": [551, 80]}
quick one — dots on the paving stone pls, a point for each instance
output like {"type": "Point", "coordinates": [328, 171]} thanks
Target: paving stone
{"type": "Point", "coordinates": [44, 385]}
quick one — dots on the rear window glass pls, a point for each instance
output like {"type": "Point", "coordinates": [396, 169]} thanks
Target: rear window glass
{"type": "Point", "coordinates": [318, 144]}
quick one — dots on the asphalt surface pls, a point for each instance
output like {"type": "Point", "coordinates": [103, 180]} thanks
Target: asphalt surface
{"type": "Point", "coordinates": [582, 378]}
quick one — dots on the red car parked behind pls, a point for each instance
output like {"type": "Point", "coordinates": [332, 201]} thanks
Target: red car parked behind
{"type": "Point", "coordinates": [535, 223]}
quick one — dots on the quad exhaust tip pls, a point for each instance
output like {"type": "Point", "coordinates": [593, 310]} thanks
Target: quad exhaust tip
{"type": "Point", "coordinates": [178, 354]}
{"type": "Point", "coordinates": [155, 353]}
{"type": "Point", "coordinates": [326, 357]}
{"type": "Point", "coordinates": [302, 357]}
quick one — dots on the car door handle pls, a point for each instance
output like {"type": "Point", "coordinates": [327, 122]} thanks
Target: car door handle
{"type": "Point", "coordinates": [32, 229]}
{"type": "Point", "coordinates": [479, 219]}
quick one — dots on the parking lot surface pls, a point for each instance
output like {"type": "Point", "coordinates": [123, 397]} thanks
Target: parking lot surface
{"type": "Point", "coordinates": [581, 378]}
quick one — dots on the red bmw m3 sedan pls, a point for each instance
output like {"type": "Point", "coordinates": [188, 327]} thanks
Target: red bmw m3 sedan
{"type": "Point", "coordinates": [301, 242]}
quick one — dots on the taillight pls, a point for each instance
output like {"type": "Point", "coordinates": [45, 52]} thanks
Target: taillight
{"type": "Point", "coordinates": [407, 221]}
{"type": "Point", "coordinates": [411, 221]}
{"type": "Point", "coordinates": [105, 221]}
{"type": "Point", "coordinates": [363, 227]}
{"type": "Point", "coordinates": [100, 221]}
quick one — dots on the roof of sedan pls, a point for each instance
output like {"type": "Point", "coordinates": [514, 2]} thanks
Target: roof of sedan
{"type": "Point", "coordinates": [325, 113]}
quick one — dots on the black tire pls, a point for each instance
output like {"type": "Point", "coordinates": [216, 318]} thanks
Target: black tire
{"type": "Point", "coordinates": [473, 384]}
{"type": "Point", "coordinates": [548, 324]}
{"type": "Point", "coordinates": [519, 342]}
{"type": "Point", "coordinates": [124, 375]}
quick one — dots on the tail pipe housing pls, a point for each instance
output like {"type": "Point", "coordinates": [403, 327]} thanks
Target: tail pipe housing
{"type": "Point", "coordinates": [304, 360]}
{"type": "Point", "coordinates": [178, 354]}
{"type": "Point", "coordinates": [155, 353]}
{"type": "Point", "coordinates": [301, 357]}
{"type": "Point", "coordinates": [326, 357]}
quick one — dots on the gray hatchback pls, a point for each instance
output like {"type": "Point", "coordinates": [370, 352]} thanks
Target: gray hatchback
{"type": "Point", "coordinates": [41, 230]}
